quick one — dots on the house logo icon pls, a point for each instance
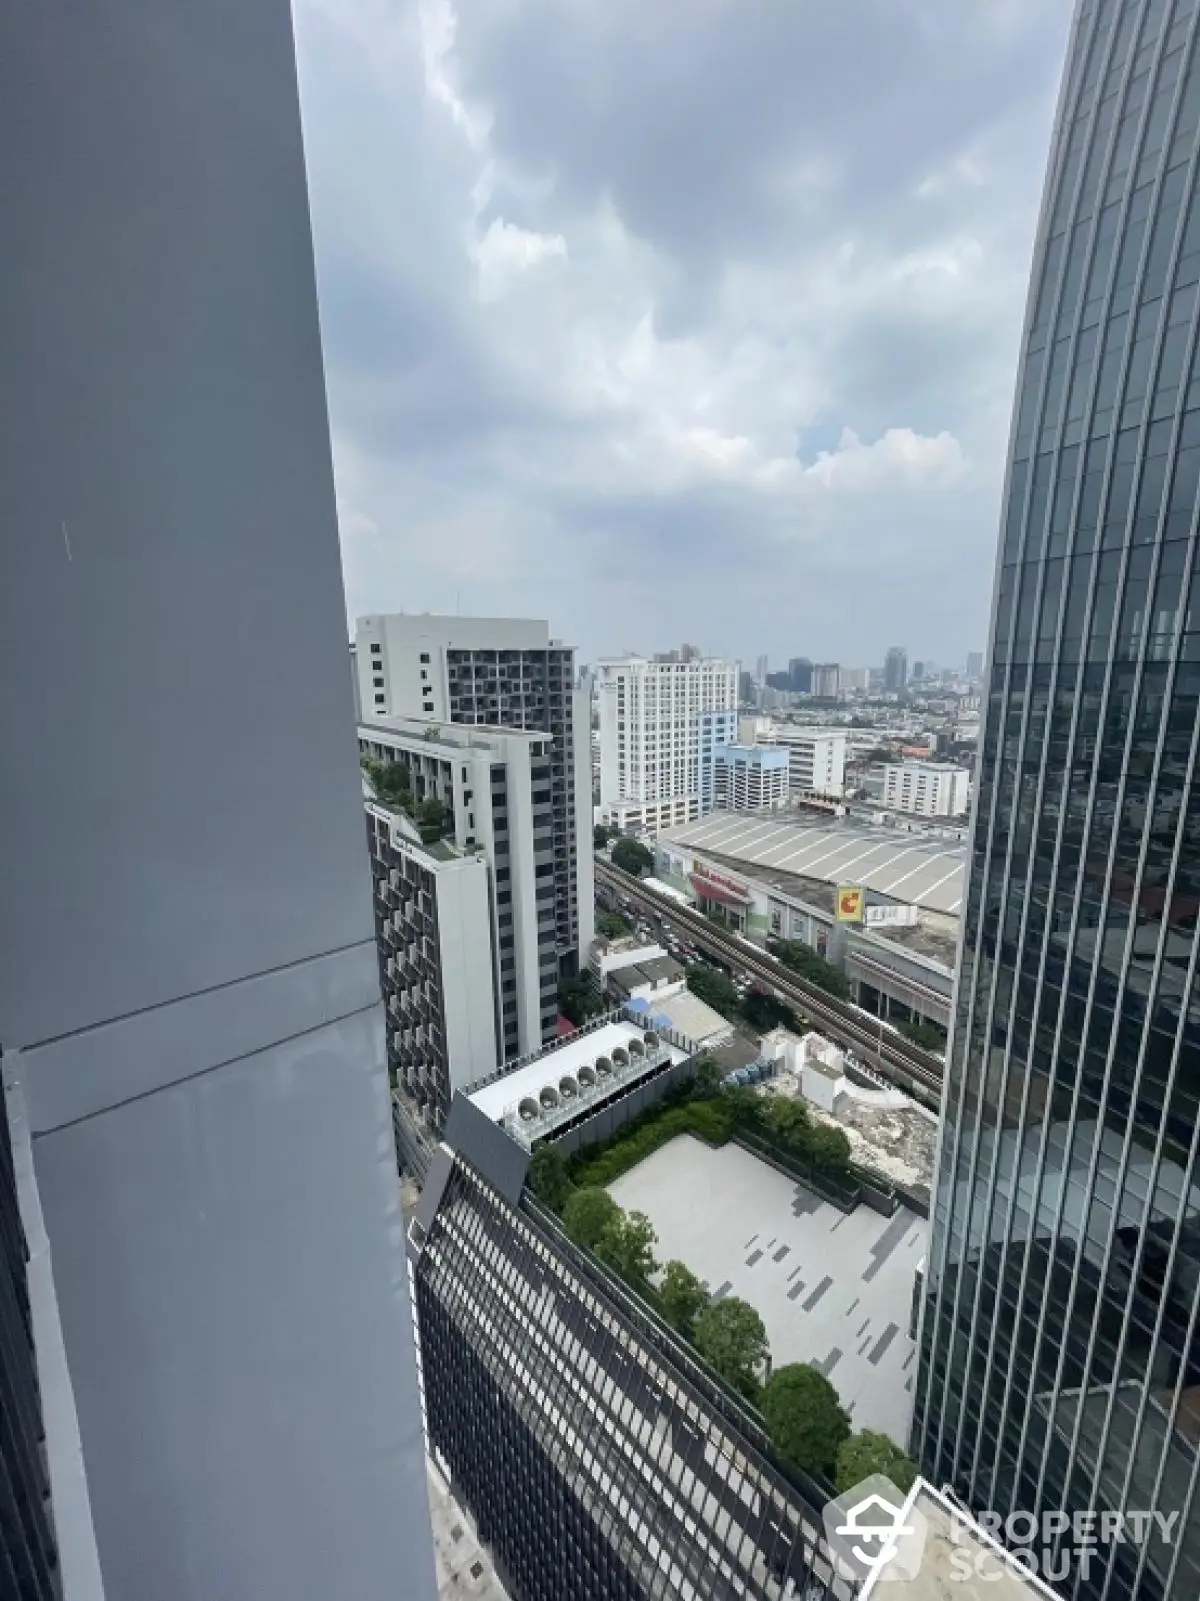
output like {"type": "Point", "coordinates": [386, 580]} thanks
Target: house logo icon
{"type": "Point", "coordinates": [873, 1533]}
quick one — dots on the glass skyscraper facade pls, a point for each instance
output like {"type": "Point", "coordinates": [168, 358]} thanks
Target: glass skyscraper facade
{"type": "Point", "coordinates": [1060, 1361]}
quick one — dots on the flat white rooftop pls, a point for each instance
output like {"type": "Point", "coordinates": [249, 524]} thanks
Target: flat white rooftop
{"type": "Point", "coordinates": [904, 867]}
{"type": "Point", "coordinates": [695, 1019]}
{"type": "Point", "coordinates": [559, 1061]}
{"type": "Point", "coordinates": [832, 1288]}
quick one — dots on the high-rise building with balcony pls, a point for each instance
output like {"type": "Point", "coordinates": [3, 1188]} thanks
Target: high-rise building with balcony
{"type": "Point", "coordinates": [505, 672]}
{"type": "Point", "coordinates": [751, 778]}
{"type": "Point", "coordinates": [202, 1171]}
{"type": "Point", "coordinates": [464, 902]}
{"type": "Point", "coordinates": [1060, 1367]}
{"type": "Point", "coordinates": [817, 756]}
{"type": "Point", "coordinates": [661, 725]}
{"type": "Point", "coordinates": [928, 789]}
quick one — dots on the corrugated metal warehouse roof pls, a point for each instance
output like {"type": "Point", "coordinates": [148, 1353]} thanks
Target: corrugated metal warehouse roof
{"type": "Point", "coordinates": [900, 866]}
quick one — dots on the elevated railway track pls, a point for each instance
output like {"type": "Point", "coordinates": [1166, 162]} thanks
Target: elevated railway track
{"type": "Point", "coordinates": [895, 1059]}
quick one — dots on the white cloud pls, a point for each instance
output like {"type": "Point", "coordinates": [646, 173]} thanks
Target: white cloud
{"type": "Point", "coordinates": [439, 27]}
{"type": "Point", "coordinates": [674, 294]}
{"type": "Point", "coordinates": [506, 254]}
{"type": "Point", "coordinates": [899, 457]}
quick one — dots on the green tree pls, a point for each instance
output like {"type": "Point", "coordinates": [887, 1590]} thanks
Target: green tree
{"type": "Point", "coordinates": [809, 965]}
{"type": "Point", "coordinates": [586, 1215]}
{"type": "Point", "coordinates": [865, 1453]}
{"type": "Point", "coordinates": [627, 1245]}
{"type": "Point", "coordinates": [707, 1079]}
{"type": "Point", "coordinates": [631, 856]}
{"type": "Point", "coordinates": [764, 1012]}
{"type": "Point", "coordinates": [601, 836]}
{"type": "Point", "coordinates": [745, 1106]}
{"type": "Point", "coordinates": [390, 782]}
{"type": "Point", "coordinates": [714, 988]}
{"type": "Point", "coordinates": [548, 1177]}
{"type": "Point", "coordinates": [929, 1036]}
{"type": "Point", "coordinates": [434, 819]}
{"type": "Point", "coordinates": [612, 925]}
{"type": "Point", "coordinates": [788, 1121]}
{"type": "Point", "coordinates": [730, 1335]}
{"type": "Point", "coordinates": [682, 1297]}
{"type": "Point", "coordinates": [828, 1148]}
{"type": "Point", "coordinates": [578, 1000]}
{"type": "Point", "coordinates": [805, 1418]}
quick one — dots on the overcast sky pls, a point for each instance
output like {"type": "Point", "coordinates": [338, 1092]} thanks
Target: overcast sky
{"type": "Point", "coordinates": [677, 319]}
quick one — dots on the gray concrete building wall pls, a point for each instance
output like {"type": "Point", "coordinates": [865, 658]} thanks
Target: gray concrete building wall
{"type": "Point", "coordinates": [189, 994]}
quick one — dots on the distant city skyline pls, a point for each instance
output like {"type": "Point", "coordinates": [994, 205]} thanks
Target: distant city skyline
{"type": "Point", "coordinates": [656, 643]}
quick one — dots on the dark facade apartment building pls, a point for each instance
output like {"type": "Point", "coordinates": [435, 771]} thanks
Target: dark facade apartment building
{"type": "Point", "coordinates": [487, 874]}
{"type": "Point", "coordinates": [190, 1018]}
{"type": "Point", "coordinates": [415, 994]}
{"type": "Point", "coordinates": [1060, 1366]}
{"type": "Point", "coordinates": [598, 1458]}
{"type": "Point", "coordinates": [895, 669]}
{"type": "Point", "coordinates": [506, 673]}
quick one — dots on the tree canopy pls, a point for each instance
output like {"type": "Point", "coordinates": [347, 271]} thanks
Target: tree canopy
{"type": "Point", "coordinates": [764, 1012]}
{"type": "Point", "coordinates": [434, 819]}
{"type": "Point", "coordinates": [811, 966]}
{"type": "Point", "coordinates": [788, 1120]}
{"type": "Point", "coordinates": [865, 1453]}
{"type": "Point", "coordinates": [929, 1036]}
{"type": "Point", "coordinates": [612, 925]}
{"type": "Point", "coordinates": [731, 1336]}
{"type": "Point", "coordinates": [805, 1417]}
{"type": "Point", "coordinates": [828, 1148]}
{"type": "Point", "coordinates": [578, 1000]}
{"type": "Point", "coordinates": [707, 1079]}
{"type": "Point", "coordinates": [714, 988]}
{"type": "Point", "coordinates": [791, 1126]}
{"type": "Point", "coordinates": [682, 1297]}
{"type": "Point", "coordinates": [548, 1177]}
{"type": "Point", "coordinates": [631, 856]}
{"type": "Point", "coordinates": [586, 1215]}
{"type": "Point", "coordinates": [390, 781]}
{"type": "Point", "coordinates": [627, 1246]}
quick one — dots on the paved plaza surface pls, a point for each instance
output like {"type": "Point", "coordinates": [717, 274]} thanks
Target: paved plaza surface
{"type": "Point", "coordinates": [832, 1288]}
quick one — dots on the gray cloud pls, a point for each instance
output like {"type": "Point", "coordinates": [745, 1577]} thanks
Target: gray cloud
{"type": "Point", "coordinates": [684, 320]}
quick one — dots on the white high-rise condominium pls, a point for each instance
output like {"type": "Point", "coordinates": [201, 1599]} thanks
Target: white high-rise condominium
{"type": "Point", "coordinates": [817, 755]}
{"type": "Point", "coordinates": [661, 724]}
{"type": "Point", "coordinates": [500, 672]}
{"type": "Point", "coordinates": [929, 789]}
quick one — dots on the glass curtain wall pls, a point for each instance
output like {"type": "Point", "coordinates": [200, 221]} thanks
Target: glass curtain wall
{"type": "Point", "coordinates": [1060, 1362]}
